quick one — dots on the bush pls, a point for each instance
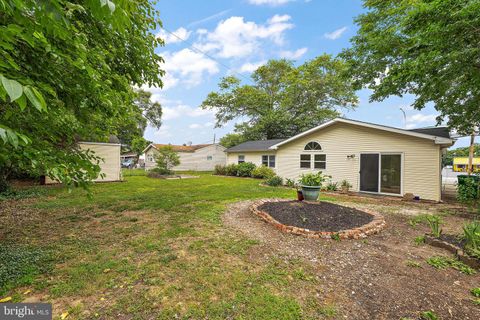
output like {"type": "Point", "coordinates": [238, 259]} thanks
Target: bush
{"type": "Point", "coordinates": [159, 172]}
{"type": "Point", "coordinates": [468, 191]}
{"type": "Point", "coordinates": [220, 170]}
{"type": "Point", "coordinates": [245, 169]}
{"type": "Point", "coordinates": [231, 170]}
{"type": "Point", "coordinates": [274, 181]}
{"type": "Point", "coordinates": [263, 172]}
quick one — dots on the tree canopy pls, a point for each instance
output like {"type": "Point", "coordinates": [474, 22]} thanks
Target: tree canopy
{"type": "Point", "coordinates": [231, 139]}
{"type": "Point", "coordinates": [425, 48]}
{"type": "Point", "coordinates": [447, 159]}
{"type": "Point", "coordinates": [131, 130]}
{"type": "Point", "coordinates": [67, 73]}
{"type": "Point", "coordinates": [283, 100]}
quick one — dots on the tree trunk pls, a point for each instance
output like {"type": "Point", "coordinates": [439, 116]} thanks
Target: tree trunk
{"type": "Point", "coordinates": [470, 153]}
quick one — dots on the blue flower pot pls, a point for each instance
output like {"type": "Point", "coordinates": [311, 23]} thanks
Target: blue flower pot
{"type": "Point", "coordinates": [311, 193]}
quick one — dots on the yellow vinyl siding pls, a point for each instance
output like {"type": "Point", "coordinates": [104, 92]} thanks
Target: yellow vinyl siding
{"type": "Point", "coordinates": [421, 157]}
{"type": "Point", "coordinates": [253, 157]}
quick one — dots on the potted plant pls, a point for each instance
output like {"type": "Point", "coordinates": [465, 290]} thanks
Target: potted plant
{"type": "Point", "coordinates": [299, 192]}
{"type": "Point", "coordinates": [311, 184]}
{"type": "Point", "coordinates": [345, 186]}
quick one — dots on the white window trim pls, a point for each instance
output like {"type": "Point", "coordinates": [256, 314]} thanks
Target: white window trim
{"type": "Point", "coordinates": [268, 160]}
{"type": "Point", "coordinates": [238, 158]}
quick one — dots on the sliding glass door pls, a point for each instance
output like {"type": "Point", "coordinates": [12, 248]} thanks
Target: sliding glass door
{"type": "Point", "coordinates": [369, 172]}
{"type": "Point", "coordinates": [391, 174]}
{"type": "Point", "coordinates": [381, 173]}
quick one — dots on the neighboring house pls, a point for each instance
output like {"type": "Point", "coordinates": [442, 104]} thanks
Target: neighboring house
{"type": "Point", "coordinates": [110, 166]}
{"type": "Point", "coordinates": [373, 158]}
{"type": "Point", "coordinates": [199, 157]}
{"type": "Point", "coordinates": [460, 164]}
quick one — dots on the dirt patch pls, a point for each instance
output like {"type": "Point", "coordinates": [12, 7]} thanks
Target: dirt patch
{"type": "Point", "coordinates": [383, 277]}
{"type": "Point", "coordinates": [322, 216]}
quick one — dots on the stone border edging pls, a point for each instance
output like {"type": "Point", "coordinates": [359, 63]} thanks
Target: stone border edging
{"type": "Point", "coordinates": [370, 228]}
{"type": "Point", "coordinates": [459, 253]}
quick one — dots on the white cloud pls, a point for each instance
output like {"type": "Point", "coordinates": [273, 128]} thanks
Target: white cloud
{"type": "Point", "coordinates": [293, 54]}
{"type": "Point", "coordinates": [163, 132]}
{"type": "Point", "coordinates": [334, 35]}
{"type": "Point", "coordinates": [235, 37]}
{"type": "Point", "coordinates": [188, 67]}
{"type": "Point", "coordinates": [250, 67]}
{"type": "Point", "coordinates": [195, 126]}
{"type": "Point", "coordinates": [420, 119]}
{"type": "Point", "coordinates": [269, 2]}
{"type": "Point", "coordinates": [182, 110]}
{"type": "Point", "coordinates": [177, 36]}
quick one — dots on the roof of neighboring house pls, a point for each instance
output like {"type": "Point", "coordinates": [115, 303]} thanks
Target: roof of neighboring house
{"type": "Point", "coordinates": [258, 145]}
{"type": "Point", "coordinates": [443, 132]}
{"type": "Point", "coordinates": [179, 148]}
{"type": "Point", "coordinates": [129, 154]}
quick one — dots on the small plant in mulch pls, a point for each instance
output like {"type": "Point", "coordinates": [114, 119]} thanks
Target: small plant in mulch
{"type": "Point", "coordinates": [434, 222]}
{"type": "Point", "coordinates": [413, 264]}
{"type": "Point", "coordinates": [476, 293]}
{"type": "Point", "coordinates": [429, 315]}
{"type": "Point", "coordinates": [439, 262]}
{"type": "Point", "coordinates": [419, 240]}
{"type": "Point", "coordinates": [335, 237]}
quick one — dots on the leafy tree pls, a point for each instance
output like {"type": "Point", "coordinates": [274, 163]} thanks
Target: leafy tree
{"type": "Point", "coordinates": [166, 159]}
{"type": "Point", "coordinates": [231, 139]}
{"type": "Point", "coordinates": [66, 74]}
{"type": "Point", "coordinates": [447, 159]}
{"type": "Point", "coordinates": [283, 99]}
{"type": "Point", "coordinates": [133, 127]}
{"type": "Point", "coordinates": [425, 48]}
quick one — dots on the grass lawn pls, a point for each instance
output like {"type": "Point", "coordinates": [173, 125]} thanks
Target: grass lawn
{"type": "Point", "coordinates": [147, 247]}
{"type": "Point", "coordinates": [158, 249]}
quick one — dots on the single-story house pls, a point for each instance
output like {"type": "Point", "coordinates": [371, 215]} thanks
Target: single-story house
{"type": "Point", "coordinates": [196, 157]}
{"type": "Point", "coordinates": [372, 158]}
{"type": "Point", "coordinates": [110, 166]}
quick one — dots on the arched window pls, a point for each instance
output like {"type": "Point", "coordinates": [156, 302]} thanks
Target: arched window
{"type": "Point", "coordinates": [313, 146]}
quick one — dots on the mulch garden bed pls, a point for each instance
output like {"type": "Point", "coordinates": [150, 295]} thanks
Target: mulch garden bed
{"type": "Point", "coordinates": [318, 219]}
{"type": "Point", "coordinates": [322, 216]}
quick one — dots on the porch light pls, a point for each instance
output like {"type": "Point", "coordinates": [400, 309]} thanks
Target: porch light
{"type": "Point", "coordinates": [351, 156]}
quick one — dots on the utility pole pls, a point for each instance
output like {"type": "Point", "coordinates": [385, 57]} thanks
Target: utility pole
{"type": "Point", "coordinates": [470, 152]}
{"type": "Point", "coordinates": [214, 138]}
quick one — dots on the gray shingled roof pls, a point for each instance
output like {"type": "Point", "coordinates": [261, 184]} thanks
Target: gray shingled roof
{"type": "Point", "coordinates": [442, 132]}
{"type": "Point", "coordinates": [259, 145]}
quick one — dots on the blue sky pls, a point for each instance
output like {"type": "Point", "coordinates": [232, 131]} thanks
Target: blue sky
{"type": "Point", "coordinates": [239, 35]}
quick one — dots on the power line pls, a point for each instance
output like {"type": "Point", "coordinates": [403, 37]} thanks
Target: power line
{"type": "Point", "coordinates": [192, 47]}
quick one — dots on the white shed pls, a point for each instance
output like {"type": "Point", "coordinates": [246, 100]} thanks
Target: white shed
{"type": "Point", "coordinates": [110, 166]}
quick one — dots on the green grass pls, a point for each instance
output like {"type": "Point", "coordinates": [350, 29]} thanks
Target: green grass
{"type": "Point", "coordinates": [153, 248]}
